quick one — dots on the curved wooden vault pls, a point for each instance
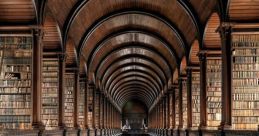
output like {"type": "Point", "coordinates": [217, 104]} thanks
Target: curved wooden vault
{"type": "Point", "coordinates": [129, 49]}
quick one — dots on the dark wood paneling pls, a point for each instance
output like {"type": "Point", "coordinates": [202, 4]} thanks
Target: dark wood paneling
{"type": "Point", "coordinates": [171, 9]}
{"type": "Point", "coordinates": [51, 37]}
{"type": "Point", "coordinates": [204, 8]}
{"type": "Point", "coordinates": [17, 11]}
{"type": "Point", "coordinates": [71, 53]}
{"type": "Point", "coordinates": [194, 59]}
{"type": "Point", "coordinates": [244, 9]}
{"type": "Point", "coordinates": [61, 9]}
{"type": "Point", "coordinates": [211, 35]}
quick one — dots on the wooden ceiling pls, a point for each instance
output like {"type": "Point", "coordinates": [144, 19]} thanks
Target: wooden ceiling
{"type": "Point", "coordinates": [149, 35]}
{"type": "Point", "coordinates": [244, 10]}
{"type": "Point", "coordinates": [51, 35]}
{"type": "Point", "coordinates": [194, 59]}
{"type": "Point", "coordinates": [211, 34]}
{"type": "Point", "coordinates": [12, 11]}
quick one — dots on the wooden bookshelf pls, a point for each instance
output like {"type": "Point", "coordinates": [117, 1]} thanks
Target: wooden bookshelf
{"type": "Point", "coordinates": [184, 103]}
{"type": "Point", "coordinates": [195, 99]}
{"type": "Point", "coordinates": [81, 103]}
{"type": "Point", "coordinates": [49, 109]}
{"type": "Point", "coordinates": [15, 81]}
{"type": "Point", "coordinates": [214, 104]}
{"type": "Point", "coordinates": [245, 73]}
{"type": "Point", "coordinates": [170, 110]}
{"type": "Point", "coordinates": [90, 107]}
{"type": "Point", "coordinates": [177, 121]}
{"type": "Point", "coordinates": [69, 100]}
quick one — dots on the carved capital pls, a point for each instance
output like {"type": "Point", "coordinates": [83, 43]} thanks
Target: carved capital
{"type": "Point", "coordinates": [202, 57]}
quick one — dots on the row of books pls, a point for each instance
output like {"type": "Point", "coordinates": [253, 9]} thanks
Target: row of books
{"type": "Point", "coordinates": [246, 105]}
{"type": "Point", "coordinates": [15, 40]}
{"type": "Point", "coordinates": [245, 67]}
{"type": "Point", "coordinates": [15, 83]}
{"type": "Point", "coordinates": [245, 74]}
{"type": "Point", "coordinates": [243, 126]}
{"type": "Point", "coordinates": [14, 98]}
{"type": "Point", "coordinates": [16, 125]}
{"type": "Point", "coordinates": [50, 74]}
{"type": "Point", "coordinates": [15, 118]}
{"type": "Point", "coordinates": [243, 59]}
{"type": "Point", "coordinates": [245, 112]}
{"type": "Point", "coordinates": [243, 89]}
{"type": "Point", "coordinates": [246, 82]}
{"type": "Point", "coordinates": [17, 68]}
{"type": "Point", "coordinates": [252, 120]}
{"type": "Point", "coordinates": [246, 97]}
{"type": "Point", "coordinates": [47, 111]}
{"type": "Point", "coordinates": [15, 54]}
{"type": "Point", "coordinates": [15, 90]}
{"type": "Point", "coordinates": [50, 99]}
{"type": "Point", "coordinates": [50, 79]}
{"type": "Point", "coordinates": [22, 104]}
{"type": "Point", "coordinates": [245, 52]}
{"type": "Point", "coordinates": [10, 111]}
{"type": "Point", "coordinates": [50, 94]}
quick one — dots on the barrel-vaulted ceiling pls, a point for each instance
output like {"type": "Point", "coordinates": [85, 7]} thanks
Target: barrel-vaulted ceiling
{"type": "Point", "coordinates": [128, 48]}
{"type": "Point", "coordinates": [131, 48]}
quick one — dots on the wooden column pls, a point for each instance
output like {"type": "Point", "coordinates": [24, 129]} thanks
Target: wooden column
{"type": "Point", "coordinates": [203, 92]}
{"type": "Point", "coordinates": [225, 33]}
{"type": "Point", "coordinates": [76, 99]}
{"type": "Point", "coordinates": [189, 97]}
{"type": "Point", "coordinates": [180, 103]}
{"type": "Point", "coordinates": [61, 100]}
{"type": "Point", "coordinates": [36, 82]}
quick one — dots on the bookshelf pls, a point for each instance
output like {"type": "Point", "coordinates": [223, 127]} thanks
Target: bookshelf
{"type": "Point", "coordinates": [184, 103]}
{"type": "Point", "coordinates": [170, 110]}
{"type": "Point", "coordinates": [15, 81]}
{"type": "Point", "coordinates": [245, 73]}
{"type": "Point", "coordinates": [49, 109]}
{"type": "Point", "coordinates": [214, 104]}
{"type": "Point", "coordinates": [81, 103]}
{"type": "Point", "coordinates": [195, 99]}
{"type": "Point", "coordinates": [69, 100]}
{"type": "Point", "coordinates": [90, 106]}
{"type": "Point", "coordinates": [177, 121]}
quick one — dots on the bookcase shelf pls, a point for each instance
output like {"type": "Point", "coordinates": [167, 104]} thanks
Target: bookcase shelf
{"type": "Point", "coordinates": [177, 120]}
{"type": "Point", "coordinates": [184, 103]}
{"type": "Point", "coordinates": [15, 81]}
{"type": "Point", "coordinates": [69, 100]}
{"type": "Point", "coordinates": [50, 84]}
{"type": "Point", "coordinates": [214, 104]}
{"type": "Point", "coordinates": [195, 99]}
{"type": "Point", "coordinates": [81, 104]}
{"type": "Point", "coordinates": [245, 73]}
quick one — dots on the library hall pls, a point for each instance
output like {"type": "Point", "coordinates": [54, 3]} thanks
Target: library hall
{"type": "Point", "coordinates": [129, 67]}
